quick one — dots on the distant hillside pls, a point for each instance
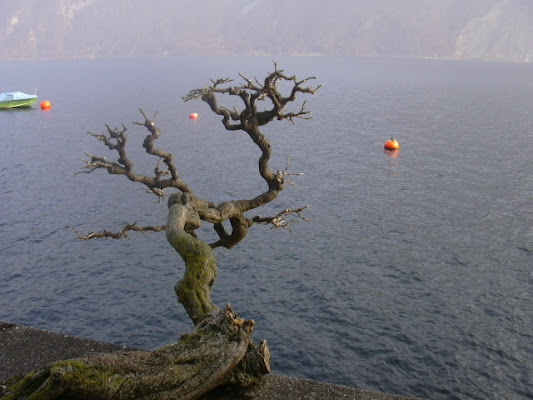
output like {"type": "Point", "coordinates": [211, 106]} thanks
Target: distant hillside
{"type": "Point", "coordinates": [481, 29]}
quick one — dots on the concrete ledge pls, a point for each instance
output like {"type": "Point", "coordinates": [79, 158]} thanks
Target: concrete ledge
{"type": "Point", "coordinates": [23, 349]}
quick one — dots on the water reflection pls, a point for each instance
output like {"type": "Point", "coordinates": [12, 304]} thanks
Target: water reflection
{"type": "Point", "coordinates": [392, 153]}
{"type": "Point", "coordinates": [393, 161]}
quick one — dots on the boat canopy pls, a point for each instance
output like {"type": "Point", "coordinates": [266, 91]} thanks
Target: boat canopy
{"type": "Point", "coordinates": [13, 96]}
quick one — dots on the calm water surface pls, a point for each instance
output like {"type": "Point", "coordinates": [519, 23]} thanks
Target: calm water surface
{"type": "Point", "coordinates": [413, 278]}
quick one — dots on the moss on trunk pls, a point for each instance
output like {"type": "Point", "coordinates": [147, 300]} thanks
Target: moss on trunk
{"type": "Point", "coordinates": [194, 290]}
{"type": "Point", "coordinates": [220, 351]}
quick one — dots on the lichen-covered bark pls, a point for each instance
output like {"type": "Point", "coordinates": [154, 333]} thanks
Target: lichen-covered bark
{"type": "Point", "coordinates": [220, 351]}
{"type": "Point", "coordinates": [194, 290]}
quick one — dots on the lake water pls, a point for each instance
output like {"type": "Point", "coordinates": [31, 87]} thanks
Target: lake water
{"type": "Point", "coordinates": [414, 276]}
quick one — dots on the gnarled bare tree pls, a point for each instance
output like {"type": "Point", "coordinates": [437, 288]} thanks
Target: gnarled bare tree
{"type": "Point", "coordinates": [220, 351]}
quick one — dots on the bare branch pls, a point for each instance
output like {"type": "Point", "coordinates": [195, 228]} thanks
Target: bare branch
{"type": "Point", "coordinates": [280, 220]}
{"type": "Point", "coordinates": [262, 102]}
{"type": "Point", "coordinates": [251, 92]}
{"type": "Point", "coordinates": [150, 148]}
{"type": "Point", "coordinates": [285, 172]}
{"type": "Point", "coordinates": [120, 234]}
{"type": "Point", "coordinates": [115, 139]}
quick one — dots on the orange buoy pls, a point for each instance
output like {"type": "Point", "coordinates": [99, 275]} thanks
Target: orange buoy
{"type": "Point", "coordinates": [193, 116]}
{"type": "Point", "coordinates": [391, 144]}
{"type": "Point", "coordinates": [46, 105]}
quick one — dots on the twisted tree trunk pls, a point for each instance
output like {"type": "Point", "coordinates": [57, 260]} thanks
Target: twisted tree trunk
{"type": "Point", "coordinates": [219, 352]}
{"type": "Point", "coordinates": [194, 290]}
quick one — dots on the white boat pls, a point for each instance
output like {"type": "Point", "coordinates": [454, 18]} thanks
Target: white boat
{"type": "Point", "coordinates": [17, 99]}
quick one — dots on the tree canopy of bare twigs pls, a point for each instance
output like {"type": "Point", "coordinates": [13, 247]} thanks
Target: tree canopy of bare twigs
{"type": "Point", "coordinates": [261, 103]}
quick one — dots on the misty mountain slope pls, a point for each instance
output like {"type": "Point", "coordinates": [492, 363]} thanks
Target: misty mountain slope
{"type": "Point", "coordinates": [505, 29]}
{"type": "Point", "coordinates": [487, 29]}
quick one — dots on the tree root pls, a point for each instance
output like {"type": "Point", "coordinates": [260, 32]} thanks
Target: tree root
{"type": "Point", "coordinates": [219, 352]}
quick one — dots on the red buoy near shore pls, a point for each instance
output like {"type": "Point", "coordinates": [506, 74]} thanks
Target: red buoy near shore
{"type": "Point", "coordinates": [193, 116]}
{"type": "Point", "coordinates": [46, 105]}
{"type": "Point", "coordinates": [391, 144]}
